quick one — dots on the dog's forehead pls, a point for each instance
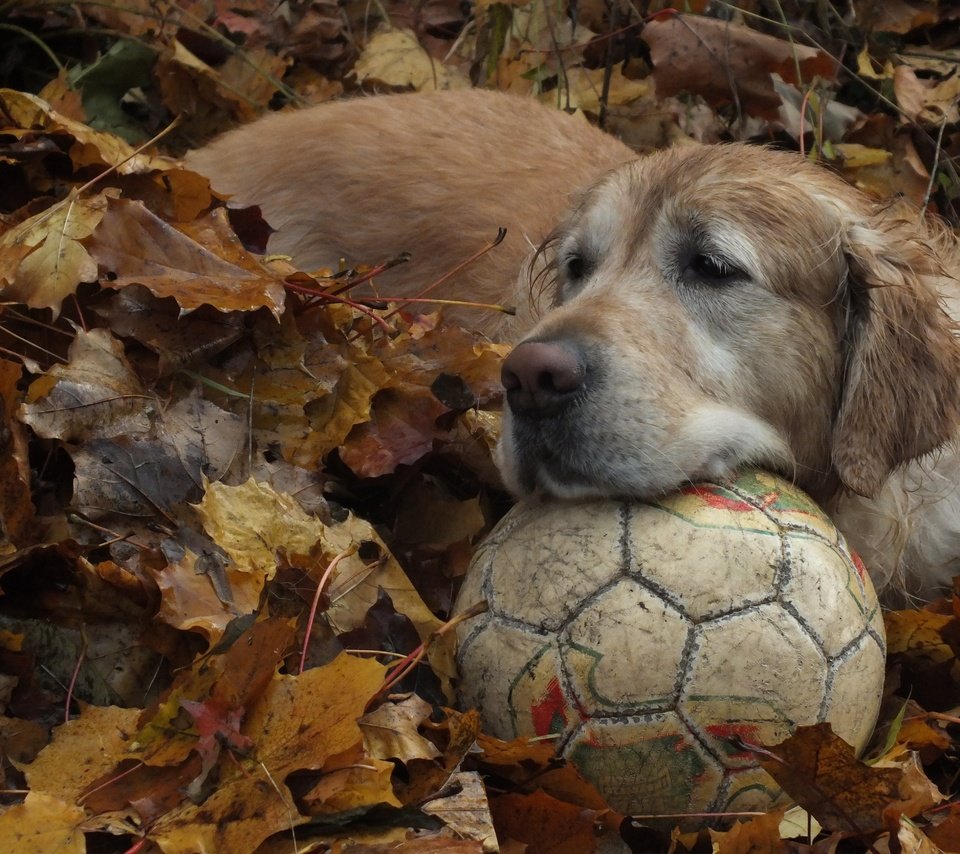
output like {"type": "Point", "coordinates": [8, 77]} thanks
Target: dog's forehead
{"type": "Point", "coordinates": [757, 190]}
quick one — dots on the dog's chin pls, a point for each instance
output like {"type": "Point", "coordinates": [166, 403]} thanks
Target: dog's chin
{"type": "Point", "coordinates": [714, 443]}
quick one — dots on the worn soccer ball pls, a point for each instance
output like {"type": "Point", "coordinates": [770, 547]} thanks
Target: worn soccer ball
{"type": "Point", "coordinates": [644, 636]}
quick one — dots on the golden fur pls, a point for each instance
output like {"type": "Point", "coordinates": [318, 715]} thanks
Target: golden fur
{"type": "Point", "coordinates": [710, 306]}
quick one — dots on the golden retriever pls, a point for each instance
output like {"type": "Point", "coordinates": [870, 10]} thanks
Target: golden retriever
{"type": "Point", "coordinates": [710, 307]}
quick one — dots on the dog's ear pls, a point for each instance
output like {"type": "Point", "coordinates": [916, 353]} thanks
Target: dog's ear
{"type": "Point", "coordinates": [901, 395]}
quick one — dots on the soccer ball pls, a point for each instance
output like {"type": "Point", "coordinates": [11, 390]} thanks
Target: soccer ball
{"type": "Point", "coordinates": [643, 636]}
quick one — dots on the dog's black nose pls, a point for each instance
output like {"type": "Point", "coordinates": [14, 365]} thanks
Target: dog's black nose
{"type": "Point", "coordinates": [541, 377]}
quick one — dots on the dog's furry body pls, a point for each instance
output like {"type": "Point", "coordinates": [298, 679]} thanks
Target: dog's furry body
{"type": "Point", "coordinates": [435, 175]}
{"type": "Point", "coordinates": [713, 307]}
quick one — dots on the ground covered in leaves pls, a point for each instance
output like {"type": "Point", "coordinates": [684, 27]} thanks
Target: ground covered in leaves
{"type": "Point", "coordinates": [236, 504]}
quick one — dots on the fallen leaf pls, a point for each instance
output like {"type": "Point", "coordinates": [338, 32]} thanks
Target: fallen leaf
{"type": "Point", "coordinates": [298, 723]}
{"type": "Point", "coordinates": [42, 824]}
{"type": "Point", "coordinates": [726, 62]}
{"type": "Point", "coordinates": [394, 58]}
{"type": "Point", "coordinates": [822, 774]}
{"type": "Point", "coordinates": [549, 824]}
{"type": "Point", "coordinates": [16, 508]}
{"type": "Point", "coordinates": [42, 260]}
{"type": "Point", "coordinates": [91, 146]}
{"type": "Point", "coordinates": [390, 731]}
{"type": "Point", "coordinates": [81, 751]}
{"type": "Point", "coordinates": [761, 833]}
{"type": "Point", "coordinates": [894, 16]}
{"type": "Point", "coordinates": [97, 394]}
{"type": "Point", "coordinates": [138, 247]}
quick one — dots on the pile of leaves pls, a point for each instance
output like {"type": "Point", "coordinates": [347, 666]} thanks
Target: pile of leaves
{"type": "Point", "coordinates": [236, 503]}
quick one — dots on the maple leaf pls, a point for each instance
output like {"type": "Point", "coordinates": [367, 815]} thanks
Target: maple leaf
{"type": "Point", "coordinates": [42, 823]}
{"type": "Point", "coordinates": [709, 57]}
{"type": "Point", "coordinates": [90, 146]}
{"type": "Point", "coordinates": [821, 772]}
{"type": "Point", "coordinates": [138, 247]}
{"type": "Point", "coordinates": [298, 723]}
{"type": "Point", "coordinates": [252, 523]}
{"type": "Point", "coordinates": [96, 394]}
{"type": "Point", "coordinates": [390, 731]}
{"type": "Point", "coordinates": [42, 260]}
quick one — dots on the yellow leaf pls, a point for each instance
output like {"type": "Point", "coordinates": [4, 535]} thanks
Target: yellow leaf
{"type": "Point", "coordinates": [855, 156]}
{"type": "Point", "coordinates": [81, 751]}
{"type": "Point", "coordinates": [92, 146]}
{"type": "Point", "coordinates": [252, 522]}
{"type": "Point", "coordinates": [585, 86]}
{"type": "Point", "coordinates": [45, 276]}
{"type": "Point", "coordinates": [395, 58]}
{"type": "Point", "coordinates": [299, 723]}
{"type": "Point", "coordinates": [42, 824]}
{"type": "Point", "coordinates": [865, 66]}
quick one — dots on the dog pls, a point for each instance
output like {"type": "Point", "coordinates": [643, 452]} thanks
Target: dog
{"type": "Point", "coordinates": [702, 308]}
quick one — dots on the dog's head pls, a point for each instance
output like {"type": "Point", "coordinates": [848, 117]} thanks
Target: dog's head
{"type": "Point", "coordinates": [721, 306]}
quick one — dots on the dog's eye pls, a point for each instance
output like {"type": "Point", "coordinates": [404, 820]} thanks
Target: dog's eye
{"type": "Point", "coordinates": [712, 268]}
{"type": "Point", "coordinates": [575, 267]}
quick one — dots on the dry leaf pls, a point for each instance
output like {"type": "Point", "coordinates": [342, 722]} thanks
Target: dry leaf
{"type": "Point", "coordinates": [725, 62]}
{"type": "Point", "coordinates": [42, 260]}
{"type": "Point", "coordinates": [390, 731]}
{"type": "Point", "coordinates": [820, 771]}
{"type": "Point", "coordinates": [138, 247]}
{"type": "Point", "coordinates": [395, 58]}
{"type": "Point", "coordinates": [97, 394]}
{"type": "Point", "coordinates": [42, 824]}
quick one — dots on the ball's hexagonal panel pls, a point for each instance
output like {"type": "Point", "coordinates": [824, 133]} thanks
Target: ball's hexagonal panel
{"type": "Point", "coordinates": [646, 765]}
{"type": "Point", "coordinates": [856, 687]}
{"type": "Point", "coordinates": [510, 670]}
{"type": "Point", "coordinates": [757, 670]}
{"type": "Point", "coordinates": [552, 560]}
{"type": "Point", "coordinates": [750, 790]}
{"type": "Point", "coordinates": [624, 649]}
{"type": "Point", "coordinates": [728, 556]}
{"type": "Point", "coordinates": [828, 592]}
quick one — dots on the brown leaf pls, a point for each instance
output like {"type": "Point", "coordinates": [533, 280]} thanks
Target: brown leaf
{"type": "Point", "coordinates": [402, 429]}
{"type": "Point", "coordinates": [927, 101]}
{"type": "Point", "coordinates": [16, 508]}
{"type": "Point", "coordinates": [820, 771]}
{"type": "Point", "coordinates": [96, 395]}
{"type": "Point", "coordinates": [140, 248]}
{"type": "Point", "coordinates": [298, 723]}
{"type": "Point", "coordinates": [725, 62]}
{"type": "Point", "coordinates": [391, 730]}
{"type": "Point", "coordinates": [894, 16]}
{"type": "Point", "coordinates": [550, 825]}
{"type": "Point", "coordinates": [134, 313]}
{"type": "Point", "coordinates": [189, 600]}
{"type": "Point", "coordinates": [946, 834]}
{"type": "Point", "coordinates": [522, 759]}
